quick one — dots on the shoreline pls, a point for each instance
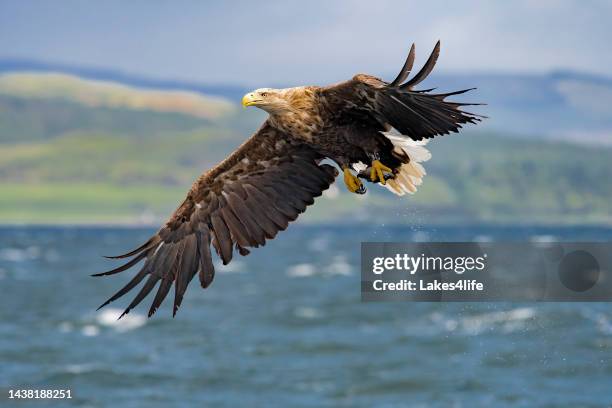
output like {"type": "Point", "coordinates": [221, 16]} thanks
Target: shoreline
{"type": "Point", "coordinates": [323, 224]}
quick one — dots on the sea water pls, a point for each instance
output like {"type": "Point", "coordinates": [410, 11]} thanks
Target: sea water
{"type": "Point", "coordinates": [285, 327]}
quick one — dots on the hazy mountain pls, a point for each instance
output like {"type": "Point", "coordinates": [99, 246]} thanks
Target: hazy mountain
{"type": "Point", "coordinates": [233, 92]}
{"type": "Point", "coordinates": [566, 105]}
{"type": "Point", "coordinates": [558, 105]}
{"type": "Point", "coordinates": [36, 106]}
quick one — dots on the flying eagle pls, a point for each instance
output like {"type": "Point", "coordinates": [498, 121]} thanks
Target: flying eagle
{"type": "Point", "coordinates": [373, 130]}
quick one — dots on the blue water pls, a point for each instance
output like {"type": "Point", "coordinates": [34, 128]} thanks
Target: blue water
{"type": "Point", "coordinates": [285, 327]}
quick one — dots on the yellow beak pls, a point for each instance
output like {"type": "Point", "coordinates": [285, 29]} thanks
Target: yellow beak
{"type": "Point", "coordinates": [248, 100]}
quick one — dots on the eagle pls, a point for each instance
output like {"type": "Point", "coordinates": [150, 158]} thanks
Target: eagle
{"type": "Point", "coordinates": [374, 131]}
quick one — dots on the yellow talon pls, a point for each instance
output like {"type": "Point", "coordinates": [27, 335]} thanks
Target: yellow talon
{"type": "Point", "coordinates": [353, 184]}
{"type": "Point", "coordinates": [376, 173]}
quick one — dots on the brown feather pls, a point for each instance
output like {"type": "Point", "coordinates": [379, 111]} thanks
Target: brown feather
{"type": "Point", "coordinates": [146, 289]}
{"type": "Point", "coordinates": [246, 217]}
{"type": "Point", "coordinates": [207, 269]}
{"type": "Point", "coordinates": [239, 232]}
{"type": "Point", "coordinates": [403, 74]}
{"type": "Point", "coordinates": [223, 238]}
{"type": "Point", "coordinates": [187, 269]}
{"type": "Point", "coordinates": [426, 70]}
{"type": "Point", "coordinates": [267, 205]}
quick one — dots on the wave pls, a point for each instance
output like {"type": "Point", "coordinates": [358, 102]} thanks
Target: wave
{"type": "Point", "coordinates": [19, 255]}
{"type": "Point", "coordinates": [307, 313]}
{"type": "Point", "coordinates": [233, 267]}
{"type": "Point", "coordinates": [301, 270]}
{"type": "Point", "coordinates": [92, 326]}
{"type": "Point", "coordinates": [108, 318]}
{"type": "Point", "coordinates": [601, 320]}
{"type": "Point", "coordinates": [508, 321]}
{"type": "Point", "coordinates": [90, 330]}
{"type": "Point", "coordinates": [337, 266]}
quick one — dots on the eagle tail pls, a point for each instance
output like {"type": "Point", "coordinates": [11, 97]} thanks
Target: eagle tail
{"type": "Point", "coordinates": [409, 175]}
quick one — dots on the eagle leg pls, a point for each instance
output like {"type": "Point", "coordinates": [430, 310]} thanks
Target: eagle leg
{"type": "Point", "coordinates": [353, 184]}
{"type": "Point", "coordinates": [379, 172]}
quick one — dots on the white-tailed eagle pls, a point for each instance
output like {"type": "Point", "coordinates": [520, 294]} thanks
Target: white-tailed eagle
{"type": "Point", "coordinates": [372, 129]}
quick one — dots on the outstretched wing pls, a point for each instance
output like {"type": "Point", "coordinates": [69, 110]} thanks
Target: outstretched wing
{"type": "Point", "coordinates": [416, 114]}
{"type": "Point", "coordinates": [250, 196]}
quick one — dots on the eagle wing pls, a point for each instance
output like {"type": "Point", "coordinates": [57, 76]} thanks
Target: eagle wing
{"type": "Point", "coordinates": [417, 114]}
{"type": "Point", "coordinates": [245, 200]}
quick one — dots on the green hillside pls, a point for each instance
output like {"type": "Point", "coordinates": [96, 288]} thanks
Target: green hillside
{"type": "Point", "coordinates": [42, 106]}
{"type": "Point", "coordinates": [65, 161]}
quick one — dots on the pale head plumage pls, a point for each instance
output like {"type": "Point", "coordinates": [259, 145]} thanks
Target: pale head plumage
{"type": "Point", "coordinates": [271, 100]}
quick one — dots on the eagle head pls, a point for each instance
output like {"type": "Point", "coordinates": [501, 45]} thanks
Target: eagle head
{"type": "Point", "coordinates": [271, 100]}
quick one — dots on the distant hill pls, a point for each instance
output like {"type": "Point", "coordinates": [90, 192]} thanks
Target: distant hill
{"type": "Point", "coordinates": [78, 151]}
{"type": "Point", "coordinates": [42, 105]}
{"type": "Point", "coordinates": [559, 105]}
{"type": "Point", "coordinates": [97, 93]}
{"type": "Point", "coordinates": [232, 92]}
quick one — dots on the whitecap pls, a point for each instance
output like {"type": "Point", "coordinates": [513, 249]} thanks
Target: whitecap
{"type": "Point", "coordinates": [447, 323]}
{"type": "Point", "coordinates": [232, 267]}
{"type": "Point", "coordinates": [307, 312]}
{"type": "Point", "coordinates": [603, 323]}
{"type": "Point", "coordinates": [301, 270]}
{"type": "Point", "coordinates": [79, 368]}
{"type": "Point", "coordinates": [90, 330]}
{"type": "Point", "coordinates": [339, 266]}
{"type": "Point", "coordinates": [19, 255]}
{"type": "Point", "coordinates": [543, 238]}
{"type": "Point", "coordinates": [509, 320]}
{"type": "Point", "coordinates": [131, 321]}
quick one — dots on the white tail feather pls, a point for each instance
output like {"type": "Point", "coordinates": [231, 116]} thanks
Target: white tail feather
{"type": "Point", "coordinates": [410, 174]}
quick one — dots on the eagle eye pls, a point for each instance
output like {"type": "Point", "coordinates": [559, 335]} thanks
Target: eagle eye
{"type": "Point", "coordinates": [264, 94]}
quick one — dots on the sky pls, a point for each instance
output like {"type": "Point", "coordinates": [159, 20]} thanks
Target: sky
{"type": "Point", "coordinates": [314, 42]}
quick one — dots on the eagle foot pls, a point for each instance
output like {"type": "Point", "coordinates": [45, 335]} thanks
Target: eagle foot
{"type": "Point", "coordinates": [353, 184]}
{"type": "Point", "coordinates": [365, 174]}
{"type": "Point", "coordinates": [380, 173]}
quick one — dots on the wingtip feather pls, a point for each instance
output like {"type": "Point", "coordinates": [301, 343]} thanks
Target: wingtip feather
{"type": "Point", "coordinates": [405, 71]}
{"type": "Point", "coordinates": [426, 70]}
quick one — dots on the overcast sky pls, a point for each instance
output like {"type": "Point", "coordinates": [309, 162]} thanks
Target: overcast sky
{"type": "Point", "coordinates": [268, 42]}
